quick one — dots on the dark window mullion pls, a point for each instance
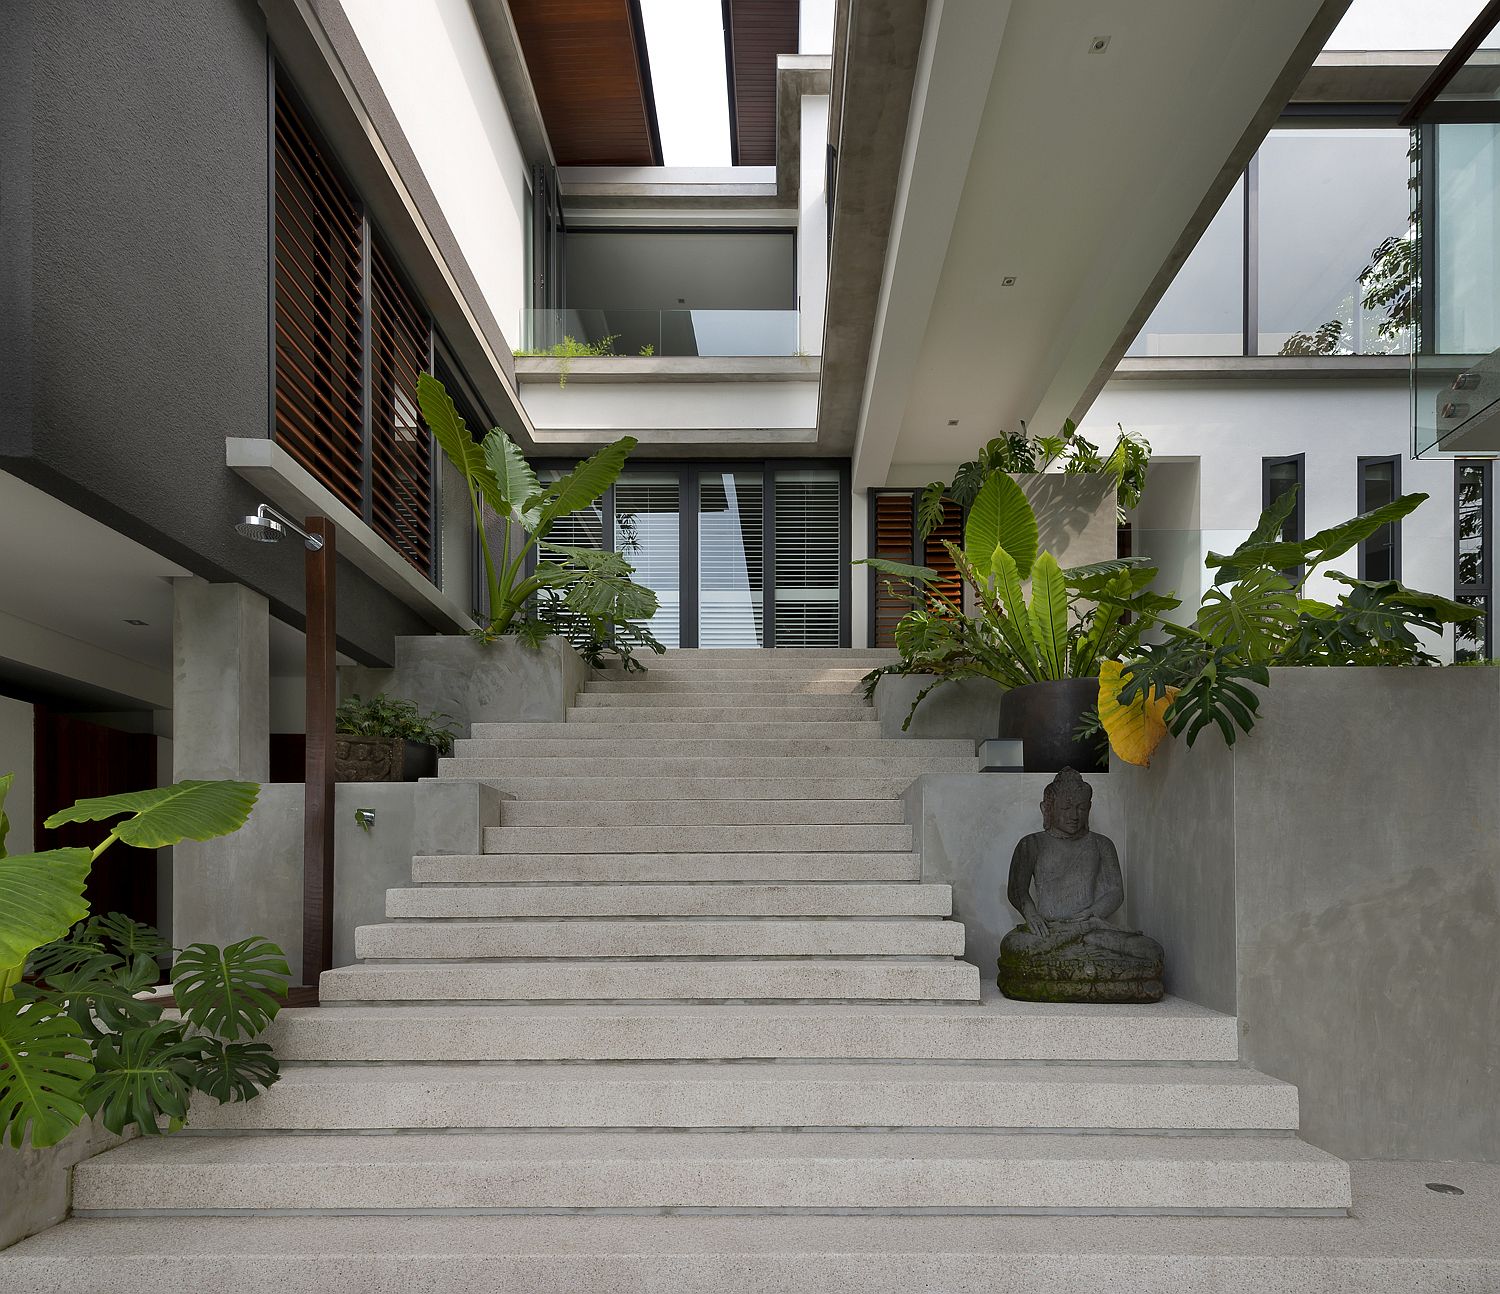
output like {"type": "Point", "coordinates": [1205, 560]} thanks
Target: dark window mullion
{"type": "Point", "coordinates": [1251, 341]}
{"type": "Point", "coordinates": [367, 403]}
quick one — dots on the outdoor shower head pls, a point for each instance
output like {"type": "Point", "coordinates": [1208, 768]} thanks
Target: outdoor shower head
{"type": "Point", "coordinates": [268, 525]}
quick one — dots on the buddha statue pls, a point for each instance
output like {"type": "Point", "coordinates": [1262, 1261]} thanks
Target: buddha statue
{"type": "Point", "coordinates": [1065, 881]}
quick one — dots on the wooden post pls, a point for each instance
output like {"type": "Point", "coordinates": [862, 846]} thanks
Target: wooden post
{"type": "Point", "coordinates": [322, 689]}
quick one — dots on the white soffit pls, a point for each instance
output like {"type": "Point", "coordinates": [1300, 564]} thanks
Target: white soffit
{"type": "Point", "coordinates": [1076, 172]}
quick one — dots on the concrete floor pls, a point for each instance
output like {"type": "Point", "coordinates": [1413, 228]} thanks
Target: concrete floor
{"type": "Point", "coordinates": [1401, 1237]}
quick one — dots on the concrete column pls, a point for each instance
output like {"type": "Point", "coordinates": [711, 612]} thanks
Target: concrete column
{"type": "Point", "coordinates": [221, 681]}
{"type": "Point", "coordinates": [812, 224]}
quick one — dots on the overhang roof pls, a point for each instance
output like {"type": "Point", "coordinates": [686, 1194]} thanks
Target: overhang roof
{"type": "Point", "coordinates": [755, 33]}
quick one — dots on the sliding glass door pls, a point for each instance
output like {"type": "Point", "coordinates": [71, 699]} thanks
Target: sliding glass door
{"type": "Point", "coordinates": [648, 534]}
{"type": "Point", "coordinates": [731, 558]}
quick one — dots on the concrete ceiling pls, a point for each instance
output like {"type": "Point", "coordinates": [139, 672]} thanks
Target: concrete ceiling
{"type": "Point", "coordinates": [1084, 174]}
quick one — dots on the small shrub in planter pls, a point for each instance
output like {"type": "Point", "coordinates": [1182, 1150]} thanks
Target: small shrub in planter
{"type": "Point", "coordinates": [388, 740]}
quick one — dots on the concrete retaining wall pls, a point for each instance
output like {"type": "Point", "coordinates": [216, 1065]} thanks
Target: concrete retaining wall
{"type": "Point", "coordinates": [1335, 879]}
{"type": "Point", "coordinates": [250, 883]}
{"type": "Point", "coordinates": [968, 707]}
{"type": "Point", "coordinates": [474, 682]}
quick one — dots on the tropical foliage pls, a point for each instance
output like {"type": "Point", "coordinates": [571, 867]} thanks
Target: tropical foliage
{"type": "Point", "coordinates": [385, 716]}
{"type": "Point", "coordinates": [588, 590]}
{"type": "Point", "coordinates": [1017, 452]}
{"type": "Point", "coordinates": [75, 1037]}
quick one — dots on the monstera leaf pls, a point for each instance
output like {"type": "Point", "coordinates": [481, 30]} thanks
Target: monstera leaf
{"type": "Point", "coordinates": [44, 1063]}
{"type": "Point", "coordinates": [168, 815]}
{"type": "Point", "coordinates": [100, 993]}
{"type": "Point", "coordinates": [235, 1071]}
{"type": "Point", "coordinates": [233, 990]}
{"type": "Point", "coordinates": [41, 897]}
{"type": "Point", "coordinates": [1254, 616]}
{"type": "Point", "coordinates": [143, 1075]}
{"type": "Point", "coordinates": [1000, 517]}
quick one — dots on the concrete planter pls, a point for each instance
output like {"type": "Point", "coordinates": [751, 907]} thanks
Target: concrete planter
{"type": "Point", "coordinates": [381, 759]}
{"type": "Point", "coordinates": [476, 682]}
{"type": "Point", "coordinates": [967, 707]}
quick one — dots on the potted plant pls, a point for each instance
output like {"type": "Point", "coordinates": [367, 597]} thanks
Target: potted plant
{"type": "Point", "coordinates": [1046, 650]}
{"type": "Point", "coordinates": [388, 740]}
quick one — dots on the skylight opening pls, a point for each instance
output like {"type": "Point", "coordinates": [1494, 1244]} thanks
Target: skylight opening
{"type": "Point", "coordinates": [685, 44]}
{"type": "Point", "coordinates": [1406, 25]}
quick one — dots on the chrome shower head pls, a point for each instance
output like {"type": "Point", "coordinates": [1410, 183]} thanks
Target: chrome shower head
{"type": "Point", "coordinates": [268, 525]}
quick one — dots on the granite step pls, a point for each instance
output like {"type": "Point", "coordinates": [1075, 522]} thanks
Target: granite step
{"type": "Point", "coordinates": [618, 900]}
{"type": "Point", "coordinates": [758, 1094]}
{"type": "Point", "coordinates": [768, 1170]}
{"type": "Point", "coordinates": [725, 717]}
{"type": "Point", "coordinates": [649, 765]}
{"type": "Point", "coordinates": [773, 657]}
{"type": "Point", "coordinates": [605, 728]}
{"type": "Point", "coordinates": [836, 705]}
{"type": "Point", "coordinates": [802, 672]}
{"type": "Point", "coordinates": [884, 979]}
{"type": "Point", "coordinates": [744, 838]}
{"type": "Point", "coordinates": [715, 867]}
{"type": "Point", "coordinates": [997, 1029]}
{"type": "Point", "coordinates": [638, 787]}
{"type": "Point", "coordinates": [472, 941]}
{"type": "Point", "coordinates": [707, 813]}
{"type": "Point", "coordinates": [654, 745]}
{"type": "Point", "coordinates": [778, 684]}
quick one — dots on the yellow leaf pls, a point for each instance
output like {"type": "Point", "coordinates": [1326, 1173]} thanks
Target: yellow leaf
{"type": "Point", "coordinates": [1135, 730]}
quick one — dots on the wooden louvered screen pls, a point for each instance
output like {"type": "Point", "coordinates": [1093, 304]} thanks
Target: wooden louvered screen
{"type": "Point", "coordinates": [347, 414]}
{"type": "Point", "coordinates": [319, 311]}
{"type": "Point", "coordinates": [400, 453]}
{"type": "Point", "coordinates": [894, 540]}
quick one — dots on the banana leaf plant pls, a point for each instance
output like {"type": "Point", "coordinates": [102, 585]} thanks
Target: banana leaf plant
{"type": "Point", "coordinates": [1257, 615]}
{"type": "Point", "coordinates": [593, 589]}
{"type": "Point", "coordinates": [1073, 620]}
{"type": "Point", "coordinates": [76, 1039]}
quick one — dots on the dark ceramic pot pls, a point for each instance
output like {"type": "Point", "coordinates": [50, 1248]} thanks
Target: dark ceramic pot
{"type": "Point", "coordinates": [1044, 716]}
{"type": "Point", "coordinates": [381, 759]}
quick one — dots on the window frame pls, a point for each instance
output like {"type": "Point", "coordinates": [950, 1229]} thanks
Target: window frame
{"type": "Point", "coordinates": [1486, 588]}
{"type": "Point", "coordinates": [1361, 485]}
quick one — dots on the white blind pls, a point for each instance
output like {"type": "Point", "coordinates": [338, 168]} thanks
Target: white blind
{"type": "Point", "coordinates": [648, 535]}
{"type": "Point", "coordinates": [731, 565]}
{"type": "Point", "coordinates": [808, 558]}
{"type": "Point", "coordinates": [582, 529]}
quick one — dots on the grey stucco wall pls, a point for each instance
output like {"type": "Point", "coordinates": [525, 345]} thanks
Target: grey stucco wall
{"type": "Point", "coordinates": [1363, 897]}
{"type": "Point", "coordinates": [475, 682]}
{"type": "Point", "coordinates": [968, 707]}
{"type": "Point", "coordinates": [36, 1186]}
{"type": "Point", "coordinates": [250, 883]}
{"type": "Point", "coordinates": [143, 250]}
{"type": "Point", "coordinates": [966, 826]}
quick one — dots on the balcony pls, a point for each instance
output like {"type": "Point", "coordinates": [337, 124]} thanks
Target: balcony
{"type": "Point", "coordinates": [586, 333]}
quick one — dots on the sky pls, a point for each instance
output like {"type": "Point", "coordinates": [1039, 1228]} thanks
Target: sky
{"type": "Point", "coordinates": [685, 42]}
{"type": "Point", "coordinates": [1403, 24]}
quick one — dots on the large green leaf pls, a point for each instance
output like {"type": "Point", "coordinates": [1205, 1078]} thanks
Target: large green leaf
{"type": "Point", "coordinates": [1000, 517]}
{"type": "Point", "coordinates": [44, 1063]}
{"type": "Point", "coordinates": [1253, 618]}
{"type": "Point", "coordinates": [1049, 615]}
{"type": "Point", "coordinates": [456, 441]}
{"type": "Point", "coordinates": [930, 510]}
{"type": "Point", "coordinates": [143, 1075]}
{"type": "Point", "coordinates": [517, 482]}
{"type": "Point", "coordinates": [41, 897]}
{"type": "Point", "coordinates": [1015, 622]}
{"type": "Point", "coordinates": [1324, 546]}
{"type": "Point", "coordinates": [233, 990]}
{"type": "Point", "coordinates": [168, 815]}
{"type": "Point", "coordinates": [584, 483]}
{"type": "Point", "coordinates": [127, 937]}
{"type": "Point", "coordinates": [99, 995]}
{"type": "Point", "coordinates": [235, 1071]}
{"type": "Point", "coordinates": [920, 574]}
{"type": "Point", "coordinates": [4, 821]}
{"type": "Point", "coordinates": [1439, 607]}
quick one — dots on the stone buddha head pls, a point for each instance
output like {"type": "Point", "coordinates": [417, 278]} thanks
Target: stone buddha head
{"type": "Point", "coordinates": [1065, 805]}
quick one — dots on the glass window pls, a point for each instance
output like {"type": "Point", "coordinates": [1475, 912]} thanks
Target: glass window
{"type": "Point", "coordinates": [648, 534]}
{"type": "Point", "coordinates": [1278, 476]}
{"type": "Point", "coordinates": [731, 564]}
{"type": "Point", "coordinates": [1467, 238]}
{"type": "Point", "coordinates": [1333, 208]}
{"type": "Point", "coordinates": [1379, 484]}
{"type": "Point", "coordinates": [1472, 579]}
{"type": "Point", "coordinates": [1202, 313]}
{"type": "Point", "coordinates": [809, 557]}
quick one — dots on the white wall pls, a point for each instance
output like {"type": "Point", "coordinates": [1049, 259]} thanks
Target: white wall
{"type": "Point", "coordinates": [16, 756]}
{"type": "Point", "coordinates": [622, 408]}
{"type": "Point", "coordinates": [815, 23]}
{"type": "Point", "coordinates": [431, 62]}
{"type": "Point", "coordinates": [812, 224]}
{"type": "Point", "coordinates": [1225, 428]}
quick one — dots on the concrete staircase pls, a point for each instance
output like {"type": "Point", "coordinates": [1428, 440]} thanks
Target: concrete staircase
{"type": "Point", "coordinates": [694, 970]}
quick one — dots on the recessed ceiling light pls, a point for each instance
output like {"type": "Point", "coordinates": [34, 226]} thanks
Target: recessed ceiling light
{"type": "Point", "coordinates": [135, 622]}
{"type": "Point", "coordinates": [1098, 44]}
{"type": "Point", "coordinates": [953, 422]}
{"type": "Point", "coordinates": [1009, 281]}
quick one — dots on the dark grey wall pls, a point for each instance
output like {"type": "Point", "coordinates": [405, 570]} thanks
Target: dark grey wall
{"type": "Point", "coordinates": [147, 268]}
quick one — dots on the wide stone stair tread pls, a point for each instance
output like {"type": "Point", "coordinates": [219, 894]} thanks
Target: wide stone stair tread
{"type": "Point", "coordinates": [706, 1171]}
{"type": "Point", "coordinates": [650, 787]}
{"type": "Point", "coordinates": [657, 937]}
{"type": "Point", "coordinates": [1000, 1029]}
{"type": "Point", "coordinates": [629, 697]}
{"type": "Point", "coordinates": [726, 745]}
{"type": "Point", "coordinates": [601, 728]}
{"type": "Point", "coordinates": [694, 685]}
{"type": "Point", "coordinates": [649, 765]}
{"type": "Point", "coordinates": [710, 868]}
{"type": "Point", "coordinates": [840, 718]}
{"type": "Point", "coordinates": [668, 979]}
{"type": "Point", "coordinates": [747, 838]}
{"type": "Point", "coordinates": [687, 900]}
{"type": "Point", "coordinates": [770, 1094]}
{"type": "Point", "coordinates": [706, 813]}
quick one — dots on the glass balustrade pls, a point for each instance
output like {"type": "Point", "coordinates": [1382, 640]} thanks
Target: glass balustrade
{"type": "Point", "coordinates": [606, 332]}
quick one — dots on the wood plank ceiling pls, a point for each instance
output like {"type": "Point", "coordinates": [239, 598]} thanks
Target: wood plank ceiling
{"type": "Point", "coordinates": [588, 65]}
{"type": "Point", "coordinates": [756, 31]}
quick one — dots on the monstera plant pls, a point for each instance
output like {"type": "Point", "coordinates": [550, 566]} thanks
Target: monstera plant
{"type": "Point", "coordinates": [77, 1036]}
{"type": "Point", "coordinates": [579, 592]}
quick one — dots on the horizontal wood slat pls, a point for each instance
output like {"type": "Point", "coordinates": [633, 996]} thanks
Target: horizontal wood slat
{"type": "Point", "coordinates": [759, 30]}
